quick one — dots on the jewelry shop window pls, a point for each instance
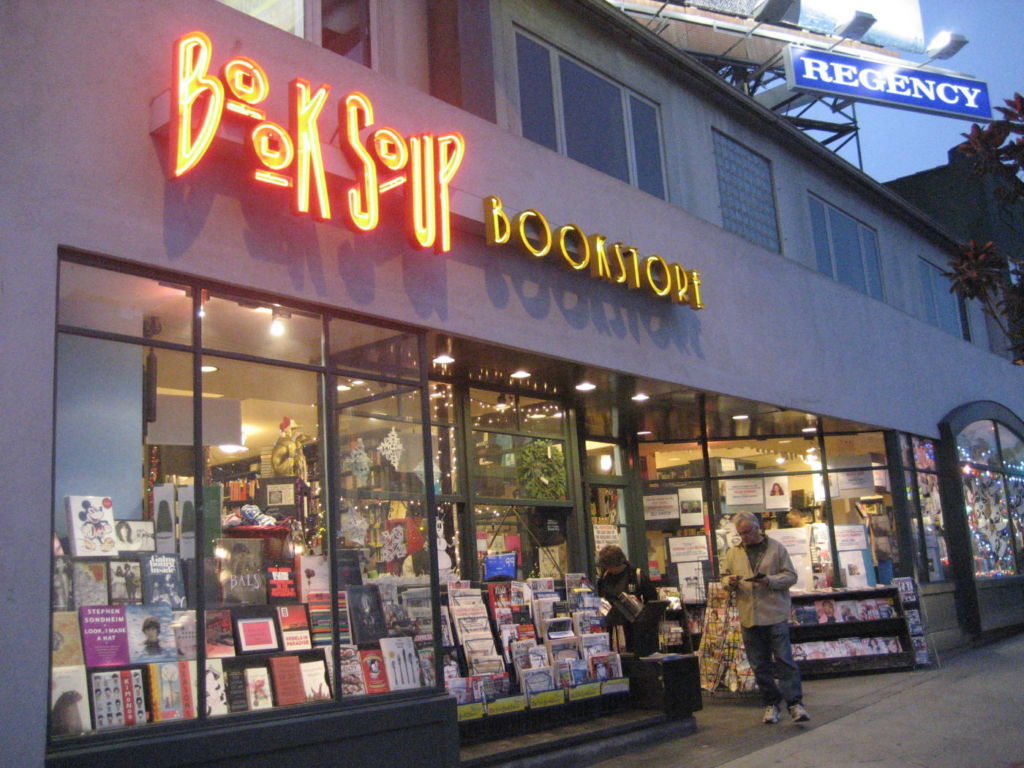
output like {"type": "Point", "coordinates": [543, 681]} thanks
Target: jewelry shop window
{"type": "Point", "coordinates": [197, 573]}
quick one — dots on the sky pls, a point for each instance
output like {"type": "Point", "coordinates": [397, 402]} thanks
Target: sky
{"type": "Point", "coordinates": [896, 142]}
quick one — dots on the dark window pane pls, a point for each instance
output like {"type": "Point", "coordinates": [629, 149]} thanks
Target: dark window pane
{"type": "Point", "coordinates": [925, 270]}
{"type": "Point", "coordinates": [872, 269]}
{"type": "Point", "coordinates": [845, 241]}
{"type": "Point", "coordinates": [647, 147]}
{"type": "Point", "coordinates": [819, 228]}
{"type": "Point", "coordinates": [536, 98]}
{"type": "Point", "coordinates": [594, 129]}
{"type": "Point", "coordinates": [346, 28]}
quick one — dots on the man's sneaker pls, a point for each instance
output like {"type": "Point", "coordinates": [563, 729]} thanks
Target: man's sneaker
{"type": "Point", "coordinates": [771, 714]}
{"type": "Point", "coordinates": [798, 713]}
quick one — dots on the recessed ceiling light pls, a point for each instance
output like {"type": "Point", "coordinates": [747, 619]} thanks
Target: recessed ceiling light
{"type": "Point", "coordinates": [357, 382]}
{"type": "Point", "coordinates": [809, 429]}
{"type": "Point", "coordinates": [344, 387]}
{"type": "Point", "coordinates": [444, 359]}
{"type": "Point", "coordinates": [521, 374]}
{"type": "Point", "coordinates": [641, 396]}
{"type": "Point", "coordinates": [209, 368]}
{"type": "Point", "coordinates": [644, 432]}
{"type": "Point", "coordinates": [740, 417]}
{"type": "Point", "coordinates": [586, 386]}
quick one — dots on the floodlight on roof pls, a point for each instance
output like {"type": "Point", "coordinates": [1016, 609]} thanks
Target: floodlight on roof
{"type": "Point", "coordinates": [774, 11]}
{"type": "Point", "coordinates": [857, 27]}
{"type": "Point", "coordinates": [945, 45]}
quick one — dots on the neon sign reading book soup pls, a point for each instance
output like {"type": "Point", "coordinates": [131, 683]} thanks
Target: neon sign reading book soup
{"type": "Point", "coordinates": [292, 158]}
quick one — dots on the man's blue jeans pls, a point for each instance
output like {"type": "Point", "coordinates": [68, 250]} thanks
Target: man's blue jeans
{"type": "Point", "coordinates": [771, 658]}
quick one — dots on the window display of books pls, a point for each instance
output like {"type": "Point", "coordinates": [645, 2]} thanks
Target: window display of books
{"type": "Point", "coordinates": [124, 644]}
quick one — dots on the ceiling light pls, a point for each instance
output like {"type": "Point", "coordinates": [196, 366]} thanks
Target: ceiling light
{"type": "Point", "coordinates": [740, 417]}
{"type": "Point", "coordinates": [586, 386]}
{"type": "Point", "coordinates": [605, 463]}
{"type": "Point", "coordinates": [809, 430]}
{"type": "Point", "coordinates": [277, 324]}
{"type": "Point", "coordinates": [643, 432]}
{"type": "Point", "coordinates": [443, 359]}
{"type": "Point", "coordinates": [502, 403]}
{"type": "Point", "coordinates": [780, 460]}
{"type": "Point", "coordinates": [209, 368]}
{"type": "Point", "coordinates": [229, 449]}
{"type": "Point", "coordinates": [344, 387]}
{"type": "Point", "coordinates": [812, 449]}
{"type": "Point", "coordinates": [520, 374]}
{"type": "Point", "coordinates": [443, 351]}
{"type": "Point", "coordinates": [357, 382]}
{"type": "Point", "coordinates": [641, 396]}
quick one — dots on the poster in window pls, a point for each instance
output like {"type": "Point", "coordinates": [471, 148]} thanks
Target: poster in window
{"type": "Point", "coordinates": [776, 493]}
{"type": "Point", "coordinates": [691, 506]}
{"type": "Point", "coordinates": [663, 506]}
{"type": "Point", "coordinates": [748, 490]}
{"type": "Point", "coordinates": [686, 549]}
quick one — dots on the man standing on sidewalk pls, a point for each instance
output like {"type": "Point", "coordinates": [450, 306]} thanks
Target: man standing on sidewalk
{"type": "Point", "coordinates": [761, 572]}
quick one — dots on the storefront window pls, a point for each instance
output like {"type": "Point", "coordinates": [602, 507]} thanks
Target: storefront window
{"type": "Point", "coordinates": [189, 503]}
{"type": "Point", "coordinates": [992, 481]}
{"type": "Point", "coordinates": [608, 517]}
{"type": "Point", "coordinates": [535, 534]}
{"type": "Point", "coordinates": [988, 518]}
{"type": "Point", "coordinates": [603, 458]}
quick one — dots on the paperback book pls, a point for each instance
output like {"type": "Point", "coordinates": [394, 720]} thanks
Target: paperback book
{"type": "Point", "coordinates": [353, 682]}
{"type": "Point", "coordinates": [374, 671]}
{"type": "Point", "coordinates": [91, 526]}
{"type": "Point", "coordinates": [401, 661]}
{"type": "Point", "coordinates": [104, 635]}
{"type": "Point", "coordinates": [220, 633]}
{"type": "Point", "coordinates": [314, 680]}
{"type": "Point", "coordinates": [124, 578]}
{"type": "Point", "coordinates": [258, 690]}
{"type": "Point", "coordinates": [294, 623]}
{"type": "Point", "coordinates": [89, 581]}
{"type": "Point", "coordinates": [162, 580]}
{"type": "Point", "coordinates": [286, 680]}
{"type": "Point", "coordinates": [366, 614]}
{"type": "Point", "coordinates": [281, 586]}
{"type": "Point", "coordinates": [172, 688]}
{"type": "Point", "coordinates": [66, 640]}
{"type": "Point", "coordinates": [216, 688]}
{"type": "Point", "coordinates": [70, 714]}
{"type": "Point", "coordinates": [243, 580]}
{"type": "Point", "coordinates": [150, 633]}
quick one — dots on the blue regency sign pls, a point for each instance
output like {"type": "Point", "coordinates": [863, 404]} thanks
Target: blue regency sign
{"type": "Point", "coordinates": [836, 74]}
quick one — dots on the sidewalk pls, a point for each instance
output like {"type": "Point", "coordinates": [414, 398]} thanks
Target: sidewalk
{"type": "Point", "coordinates": [968, 713]}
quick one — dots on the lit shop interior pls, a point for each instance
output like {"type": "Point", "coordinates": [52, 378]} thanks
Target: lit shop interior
{"type": "Point", "coordinates": [305, 430]}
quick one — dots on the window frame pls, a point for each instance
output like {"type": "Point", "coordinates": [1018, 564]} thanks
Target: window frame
{"type": "Point", "coordinates": [930, 299]}
{"type": "Point", "coordinates": [555, 57]}
{"type": "Point", "coordinates": [862, 229]}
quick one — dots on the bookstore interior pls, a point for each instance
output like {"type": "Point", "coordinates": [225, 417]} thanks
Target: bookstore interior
{"type": "Point", "coordinates": [286, 543]}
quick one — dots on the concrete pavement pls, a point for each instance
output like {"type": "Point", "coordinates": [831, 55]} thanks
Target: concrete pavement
{"type": "Point", "coordinates": [966, 713]}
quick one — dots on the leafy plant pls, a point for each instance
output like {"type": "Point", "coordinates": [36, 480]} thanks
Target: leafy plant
{"type": "Point", "coordinates": [979, 271]}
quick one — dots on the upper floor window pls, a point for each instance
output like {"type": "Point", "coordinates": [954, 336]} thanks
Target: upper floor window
{"type": "Point", "coordinates": [579, 113]}
{"type": "Point", "coordinates": [846, 250]}
{"type": "Point", "coordinates": [745, 188]}
{"type": "Point", "coordinates": [342, 26]}
{"type": "Point", "coordinates": [942, 308]}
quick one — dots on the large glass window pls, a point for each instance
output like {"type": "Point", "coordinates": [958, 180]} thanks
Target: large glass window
{"type": "Point", "coordinates": [560, 102]}
{"type": "Point", "coordinates": [928, 524]}
{"type": "Point", "coordinates": [746, 192]}
{"type": "Point", "coordinates": [941, 306]}
{"type": "Point", "coordinates": [846, 250]}
{"type": "Point", "coordinates": [198, 572]}
{"type": "Point", "coordinates": [993, 483]}
{"type": "Point", "coordinates": [342, 26]}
